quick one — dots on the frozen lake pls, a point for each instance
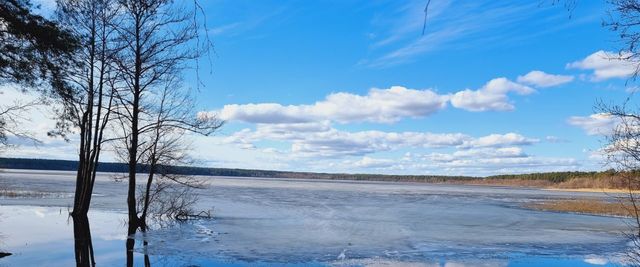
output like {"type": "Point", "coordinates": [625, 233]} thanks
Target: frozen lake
{"type": "Point", "coordinates": [314, 222]}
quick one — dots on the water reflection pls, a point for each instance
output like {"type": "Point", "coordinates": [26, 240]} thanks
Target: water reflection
{"type": "Point", "coordinates": [83, 245]}
{"type": "Point", "coordinates": [130, 246]}
{"type": "Point", "coordinates": [43, 237]}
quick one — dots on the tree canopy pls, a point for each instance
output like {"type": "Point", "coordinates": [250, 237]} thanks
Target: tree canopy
{"type": "Point", "coordinates": [30, 45]}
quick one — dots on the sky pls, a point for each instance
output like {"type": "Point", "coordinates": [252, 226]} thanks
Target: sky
{"type": "Point", "coordinates": [492, 87]}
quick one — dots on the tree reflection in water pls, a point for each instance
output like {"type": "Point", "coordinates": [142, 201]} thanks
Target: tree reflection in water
{"type": "Point", "coordinates": [130, 244]}
{"type": "Point", "coordinates": [84, 246]}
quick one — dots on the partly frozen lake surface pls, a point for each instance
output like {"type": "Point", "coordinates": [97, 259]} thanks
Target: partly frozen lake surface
{"type": "Point", "coordinates": [315, 222]}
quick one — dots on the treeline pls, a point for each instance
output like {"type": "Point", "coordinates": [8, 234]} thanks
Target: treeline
{"type": "Point", "coordinates": [70, 165]}
{"type": "Point", "coordinates": [555, 177]}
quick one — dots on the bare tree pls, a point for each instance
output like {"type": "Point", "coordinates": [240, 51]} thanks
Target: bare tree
{"type": "Point", "coordinates": [11, 117]}
{"type": "Point", "coordinates": [87, 107]}
{"type": "Point", "coordinates": [153, 39]}
{"type": "Point", "coordinates": [622, 151]}
{"type": "Point", "coordinates": [624, 19]}
{"type": "Point", "coordinates": [158, 39]}
{"type": "Point", "coordinates": [167, 118]}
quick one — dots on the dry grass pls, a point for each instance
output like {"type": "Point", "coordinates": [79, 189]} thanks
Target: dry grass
{"type": "Point", "coordinates": [612, 184]}
{"type": "Point", "coordinates": [6, 193]}
{"type": "Point", "coordinates": [586, 206]}
{"type": "Point", "coordinates": [511, 182]}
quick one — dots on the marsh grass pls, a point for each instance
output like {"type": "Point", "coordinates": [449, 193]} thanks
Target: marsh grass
{"type": "Point", "coordinates": [596, 184]}
{"type": "Point", "coordinates": [10, 193]}
{"type": "Point", "coordinates": [585, 206]}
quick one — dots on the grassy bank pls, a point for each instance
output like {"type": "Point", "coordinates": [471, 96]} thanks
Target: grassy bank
{"type": "Point", "coordinates": [578, 181]}
{"type": "Point", "coordinates": [585, 206]}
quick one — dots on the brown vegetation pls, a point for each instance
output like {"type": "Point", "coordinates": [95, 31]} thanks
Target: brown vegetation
{"type": "Point", "coordinates": [509, 182]}
{"type": "Point", "coordinates": [6, 193]}
{"type": "Point", "coordinates": [586, 206]}
{"type": "Point", "coordinates": [591, 182]}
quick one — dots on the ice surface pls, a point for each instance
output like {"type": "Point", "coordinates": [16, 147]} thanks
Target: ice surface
{"type": "Point", "coordinates": [268, 221]}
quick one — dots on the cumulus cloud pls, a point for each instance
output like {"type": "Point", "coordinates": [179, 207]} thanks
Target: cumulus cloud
{"type": "Point", "coordinates": [542, 79]}
{"type": "Point", "coordinates": [492, 96]}
{"type": "Point", "coordinates": [267, 113]}
{"type": "Point", "coordinates": [341, 143]}
{"type": "Point", "coordinates": [367, 162]}
{"type": "Point", "coordinates": [323, 141]}
{"type": "Point", "coordinates": [379, 105]}
{"type": "Point", "coordinates": [505, 152]}
{"type": "Point", "coordinates": [309, 146]}
{"type": "Point", "coordinates": [594, 124]}
{"type": "Point", "coordinates": [386, 105]}
{"type": "Point", "coordinates": [555, 139]}
{"type": "Point", "coordinates": [605, 65]}
{"type": "Point", "coordinates": [595, 260]}
{"type": "Point", "coordinates": [500, 140]}
{"type": "Point", "coordinates": [474, 162]}
{"type": "Point", "coordinates": [332, 142]}
{"type": "Point", "coordinates": [485, 161]}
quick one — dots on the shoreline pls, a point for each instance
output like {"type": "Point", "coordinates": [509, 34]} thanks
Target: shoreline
{"type": "Point", "coordinates": [595, 207]}
{"type": "Point", "coordinates": [594, 190]}
{"type": "Point", "coordinates": [510, 183]}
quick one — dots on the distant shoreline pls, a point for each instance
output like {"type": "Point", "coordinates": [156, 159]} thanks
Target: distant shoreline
{"type": "Point", "coordinates": [565, 181]}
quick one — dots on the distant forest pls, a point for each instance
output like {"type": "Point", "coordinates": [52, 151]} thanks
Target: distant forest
{"type": "Point", "coordinates": [70, 165]}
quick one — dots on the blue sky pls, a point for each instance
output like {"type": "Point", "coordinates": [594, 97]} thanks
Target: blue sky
{"type": "Point", "coordinates": [353, 86]}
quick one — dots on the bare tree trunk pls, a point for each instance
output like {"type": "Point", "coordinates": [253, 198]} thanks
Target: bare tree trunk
{"type": "Point", "coordinates": [147, 196]}
{"type": "Point", "coordinates": [135, 117]}
{"type": "Point", "coordinates": [88, 106]}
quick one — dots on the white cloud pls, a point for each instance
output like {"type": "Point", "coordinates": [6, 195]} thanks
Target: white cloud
{"type": "Point", "coordinates": [605, 65]}
{"type": "Point", "coordinates": [367, 162]}
{"type": "Point", "coordinates": [492, 96]}
{"type": "Point", "coordinates": [595, 260]}
{"type": "Point", "coordinates": [379, 105]}
{"type": "Point", "coordinates": [324, 141]}
{"type": "Point", "coordinates": [500, 140]}
{"type": "Point", "coordinates": [35, 122]}
{"type": "Point", "coordinates": [334, 143]}
{"type": "Point", "coordinates": [555, 139]}
{"type": "Point", "coordinates": [594, 124]}
{"type": "Point", "coordinates": [542, 79]}
{"type": "Point", "coordinates": [484, 161]}
{"type": "Point", "coordinates": [267, 113]}
{"type": "Point", "coordinates": [372, 151]}
{"type": "Point", "coordinates": [505, 152]}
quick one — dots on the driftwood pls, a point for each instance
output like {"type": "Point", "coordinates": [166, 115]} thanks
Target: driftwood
{"type": "Point", "coordinates": [184, 216]}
